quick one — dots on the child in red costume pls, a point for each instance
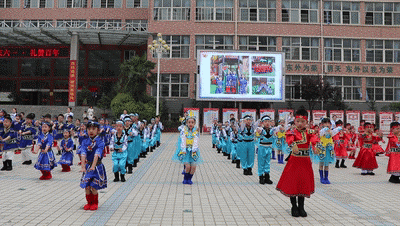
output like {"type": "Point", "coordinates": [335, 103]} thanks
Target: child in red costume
{"type": "Point", "coordinates": [341, 141]}
{"type": "Point", "coordinates": [375, 146]}
{"type": "Point", "coordinates": [297, 179]}
{"type": "Point", "coordinates": [353, 143]}
{"type": "Point", "coordinates": [366, 160]}
{"type": "Point", "coordinates": [393, 151]}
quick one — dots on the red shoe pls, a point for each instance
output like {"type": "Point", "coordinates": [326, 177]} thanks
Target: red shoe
{"type": "Point", "coordinates": [43, 175]}
{"type": "Point", "coordinates": [48, 175]}
{"type": "Point", "coordinates": [1, 156]}
{"type": "Point", "coordinates": [95, 204]}
{"type": "Point", "coordinates": [89, 199]}
{"type": "Point", "coordinates": [68, 168]}
{"type": "Point", "coordinates": [64, 168]}
{"type": "Point", "coordinates": [17, 152]}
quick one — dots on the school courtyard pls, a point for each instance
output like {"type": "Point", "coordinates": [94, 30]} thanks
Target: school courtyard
{"type": "Point", "coordinates": [221, 195]}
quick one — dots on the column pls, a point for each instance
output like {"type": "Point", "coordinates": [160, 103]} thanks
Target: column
{"type": "Point", "coordinates": [73, 69]}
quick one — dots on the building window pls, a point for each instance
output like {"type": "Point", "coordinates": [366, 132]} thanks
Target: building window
{"type": "Point", "coordinates": [37, 23]}
{"type": "Point", "coordinates": [173, 85]}
{"type": "Point", "coordinates": [107, 4]}
{"type": "Point", "coordinates": [106, 24]}
{"type": "Point", "coordinates": [262, 43]}
{"type": "Point", "coordinates": [38, 3]}
{"type": "Point", "coordinates": [337, 49]}
{"type": "Point", "coordinates": [383, 89]}
{"type": "Point", "coordinates": [304, 11]}
{"type": "Point", "coordinates": [129, 54]}
{"type": "Point", "coordinates": [172, 10]}
{"type": "Point", "coordinates": [349, 86]}
{"type": "Point", "coordinates": [9, 3]}
{"type": "Point", "coordinates": [72, 23]}
{"type": "Point", "coordinates": [341, 12]}
{"type": "Point", "coordinates": [179, 46]}
{"type": "Point", "coordinates": [136, 25]}
{"type": "Point", "coordinates": [383, 51]}
{"type": "Point", "coordinates": [292, 91]}
{"type": "Point", "coordinates": [214, 10]}
{"type": "Point", "coordinates": [137, 3]}
{"type": "Point", "coordinates": [300, 48]}
{"type": "Point", "coordinates": [72, 3]}
{"type": "Point", "coordinates": [9, 23]}
{"type": "Point", "coordinates": [257, 10]}
{"type": "Point", "coordinates": [379, 13]}
{"type": "Point", "coordinates": [214, 42]}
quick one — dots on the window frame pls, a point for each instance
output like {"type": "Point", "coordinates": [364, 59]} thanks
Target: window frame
{"type": "Point", "coordinates": [257, 46]}
{"type": "Point", "coordinates": [342, 49]}
{"type": "Point", "coordinates": [343, 86]}
{"type": "Point", "coordinates": [158, 11]}
{"type": "Point", "coordinates": [299, 9]}
{"type": "Point", "coordinates": [289, 54]}
{"type": "Point", "coordinates": [371, 13]}
{"type": "Point", "coordinates": [210, 13]}
{"type": "Point", "coordinates": [395, 51]}
{"type": "Point", "coordinates": [269, 9]}
{"type": "Point", "coordinates": [170, 83]}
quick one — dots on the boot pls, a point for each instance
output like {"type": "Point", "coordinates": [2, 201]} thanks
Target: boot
{"type": "Point", "coordinates": [158, 144]}
{"type": "Point", "coordinates": [326, 177]}
{"type": "Point", "coordinates": [95, 204]}
{"type": "Point", "coordinates": [43, 175]}
{"type": "Point", "coordinates": [321, 176]}
{"type": "Point", "coordinates": [280, 159]}
{"type": "Point", "coordinates": [229, 156]}
{"type": "Point", "coordinates": [27, 162]}
{"type": "Point", "coordinates": [238, 164]}
{"type": "Point", "coordinates": [189, 180]}
{"type": "Point", "coordinates": [295, 209]}
{"type": "Point", "coordinates": [219, 150]}
{"type": "Point", "coordinates": [273, 155]}
{"type": "Point", "coordinates": [302, 212]}
{"type": "Point", "coordinates": [185, 178]}
{"type": "Point", "coordinates": [89, 199]}
{"type": "Point", "coordinates": [5, 163]}
{"type": "Point", "coordinates": [267, 179]}
{"type": "Point", "coordinates": [123, 177]}
{"type": "Point", "coordinates": [134, 163]}
{"type": "Point", "coordinates": [213, 146]}
{"type": "Point", "coordinates": [68, 168]}
{"type": "Point", "coordinates": [245, 172]}
{"type": "Point", "coordinates": [9, 165]}
{"type": "Point", "coordinates": [250, 172]}
{"type": "Point", "coordinates": [129, 168]}
{"type": "Point", "coordinates": [337, 164]}
{"type": "Point", "coordinates": [262, 180]}
{"type": "Point", "coordinates": [393, 179]}
{"type": "Point", "coordinates": [342, 164]}
{"type": "Point", "coordinates": [233, 161]}
{"type": "Point", "coordinates": [63, 168]}
{"type": "Point", "coordinates": [48, 175]}
{"type": "Point", "coordinates": [116, 175]}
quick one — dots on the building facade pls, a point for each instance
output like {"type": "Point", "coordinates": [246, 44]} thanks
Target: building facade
{"type": "Point", "coordinates": [354, 45]}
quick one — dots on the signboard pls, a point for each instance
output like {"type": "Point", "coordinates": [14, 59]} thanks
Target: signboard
{"type": "Point", "coordinates": [336, 115]}
{"type": "Point", "coordinates": [226, 114]}
{"type": "Point", "coordinates": [34, 52]}
{"type": "Point", "coordinates": [353, 117]}
{"type": "Point", "coordinates": [232, 75]}
{"type": "Point", "coordinates": [269, 112]}
{"type": "Point", "coordinates": [286, 114]}
{"type": "Point", "coordinates": [4, 97]}
{"type": "Point", "coordinates": [317, 115]}
{"type": "Point", "coordinates": [368, 116]}
{"type": "Point", "coordinates": [385, 118]}
{"type": "Point", "coordinates": [209, 114]}
{"type": "Point", "coordinates": [195, 112]}
{"type": "Point", "coordinates": [72, 81]}
{"type": "Point", "coordinates": [252, 112]}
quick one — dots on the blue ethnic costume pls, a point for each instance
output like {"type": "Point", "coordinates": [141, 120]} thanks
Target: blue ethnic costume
{"type": "Point", "coordinates": [279, 143]}
{"type": "Point", "coordinates": [247, 149]}
{"type": "Point", "coordinates": [264, 154]}
{"type": "Point", "coordinates": [96, 178]}
{"type": "Point", "coordinates": [67, 156]}
{"type": "Point", "coordinates": [46, 160]}
{"type": "Point", "coordinates": [9, 146]}
{"type": "Point", "coordinates": [119, 144]}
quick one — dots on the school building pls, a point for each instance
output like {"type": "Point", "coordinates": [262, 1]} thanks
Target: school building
{"type": "Point", "coordinates": [354, 45]}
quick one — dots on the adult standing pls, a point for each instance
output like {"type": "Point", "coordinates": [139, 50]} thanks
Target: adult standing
{"type": "Point", "coordinates": [90, 113]}
{"type": "Point", "coordinates": [69, 113]}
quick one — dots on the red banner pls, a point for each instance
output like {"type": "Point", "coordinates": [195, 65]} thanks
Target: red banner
{"type": "Point", "coordinates": [317, 115]}
{"type": "Point", "coordinates": [72, 81]}
{"type": "Point", "coordinates": [369, 116]}
{"type": "Point", "coordinates": [269, 112]}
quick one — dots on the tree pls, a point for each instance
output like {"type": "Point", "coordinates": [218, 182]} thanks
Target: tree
{"type": "Point", "coordinates": [337, 100]}
{"type": "Point", "coordinates": [85, 97]}
{"type": "Point", "coordinates": [313, 90]}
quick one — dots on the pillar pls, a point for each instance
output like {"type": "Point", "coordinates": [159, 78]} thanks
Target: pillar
{"type": "Point", "coordinates": [73, 69]}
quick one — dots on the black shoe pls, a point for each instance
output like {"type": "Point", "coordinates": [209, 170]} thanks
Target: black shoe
{"type": "Point", "coordinates": [371, 173]}
{"type": "Point", "coordinates": [219, 150]}
{"type": "Point", "coordinates": [158, 144]}
{"type": "Point", "coordinates": [238, 164]}
{"type": "Point", "coordinates": [245, 172]}
{"type": "Point", "coordinates": [135, 163]}
{"type": "Point", "coordinates": [9, 165]}
{"type": "Point", "coordinates": [288, 157]}
{"type": "Point", "coordinates": [364, 174]}
{"type": "Point", "coordinates": [250, 172]}
{"type": "Point", "coordinates": [123, 177]}
{"type": "Point", "coordinates": [295, 212]}
{"type": "Point", "coordinates": [223, 153]}
{"type": "Point", "coordinates": [393, 179]}
{"type": "Point", "coordinates": [213, 146]}
{"type": "Point", "coordinates": [5, 163]}
{"type": "Point", "coordinates": [343, 166]}
{"type": "Point", "coordinates": [129, 168]}
{"type": "Point", "coordinates": [262, 180]}
{"type": "Point", "coordinates": [116, 175]}
{"type": "Point", "coordinates": [267, 179]}
{"type": "Point", "coordinates": [229, 156]}
{"type": "Point", "coordinates": [302, 212]}
{"type": "Point", "coordinates": [233, 161]}
{"type": "Point", "coordinates": [27, 162]}
{"type": "Point", "coordinates": [337, 164]}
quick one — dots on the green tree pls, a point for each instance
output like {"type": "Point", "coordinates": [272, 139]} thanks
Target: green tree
{"type": "Point", "coordinates": [313, 90]}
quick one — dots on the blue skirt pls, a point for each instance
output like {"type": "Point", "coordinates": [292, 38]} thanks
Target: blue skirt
{"type": "Point", "coordinates": [214, 139]}
{"type": "Point", "coordinates": [67, 158]}
{"type": "Point", "coordinates": [46, 161]}
{"type": "Point", "coordinates": [78, 150]}
{"type": "Point", "coordinates": [175, 157]}
{"type": "Point", "coordinates": [280, 144]}
{"type": "Point", "coordinates": [96, 178]}
{"type": "Point", "coordinates": [327, 158]}
{"type": "Point", "coordinates": [145, 145]}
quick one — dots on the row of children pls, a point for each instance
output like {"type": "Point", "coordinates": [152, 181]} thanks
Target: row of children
{"type": "Point", "coordinates": [129, 140]}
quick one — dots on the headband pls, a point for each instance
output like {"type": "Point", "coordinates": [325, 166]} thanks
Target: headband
{"type": "Point", "coordinates": [120, 122]}
{"type": "Point", "coordinates": [369, 126]}
{"type": "Point", "coordinates": [302, 116]}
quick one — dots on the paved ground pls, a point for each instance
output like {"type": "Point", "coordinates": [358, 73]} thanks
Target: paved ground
{"type": "Point", "coordinates": [220, 195]}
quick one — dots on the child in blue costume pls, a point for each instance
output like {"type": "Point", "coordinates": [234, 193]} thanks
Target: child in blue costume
{"type": "Point", "coordinates": [325, 148]}
{"type": "Point", "coordinates": [158, 128]}
{"type": "Point", "coordinates": [130, 132]}
{"type": "Point", "coordinates": [66, 147]}
{"type": "Point", "coordinates": [46, 160]}
{"type": "Point", "coordinates": [58, 129]}
{"type": "Point", "coordinates": [221, 135]}
{"type": "Point", "coordinates": [8, 138]}
{"type": "Point", "coordinates": [279, 143]}
{"type": "Point", "coordinates": [189, 153]}
{"type": "Point", "coordinates": [178, 144]}
{"type": "Point", "coordinates": [227, 149]}
{"type": "Point", "coordinates": [94, 175]}
{"type": "Point", "coordinates": [247, 132]}
{"type": "Point", "coordinates": [234, 146]}
{"type": "Point", "coordinates": [264, 135]}
{"type": "Point", "coordinates": [82, 135]}
{"type": "Point", "coordinates": [213, 132]}
{"type": "Point", "coordinates": [118, 146]}
{"type": "Point", "coordinates": [28, 134]}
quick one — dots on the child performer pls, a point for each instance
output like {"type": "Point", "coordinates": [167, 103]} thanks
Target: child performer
{"type": "Point", "coordinates": [67, 156]}
{"type": "Point", "coordinates": [8, 136]}
{"type": "Point", "coordinates": [58, 129]}
{"type": "Point", "coordinates": [393, 152]}
{"type": "Point", "coordinates": [213, 132]}
{"type": "Point", "coordinates": [366, 160]}
{"type": "Point", "coordinates": [221, 134]}
{"type": "Point", "coordinates": [94, 175]}
{"type": "Point", "coordinates": [82, 135]}
{"type": "Point", "coordinates": [28, 134]}
{"type": "Point", "coordinates": [247, 133]}
{"type": "Point", "coordinates": [190, 153]}
{"type": "Point", "coordinates": [158, 128]}
{"type": "Point", "coordinates": [375, 145]}
{"type": "Point", "coordinates": [297, 179]}
{"type": "Point", "coordinates": [341, 143]}
{"type": "Point", "coordinates": [46, 159]}
{"type": "Point", "coordinates": [264, 134]}
{"type": "Point", "coordinates": [234, 147]}
{"type": "Point", "coordinates": [279, 143]}
{"type": "Point", "coordinates": [326, 153]}
{"type": "Point", "coordinates": [353, 142]}
{"type": "Point", "coordinates": [118, 146]}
